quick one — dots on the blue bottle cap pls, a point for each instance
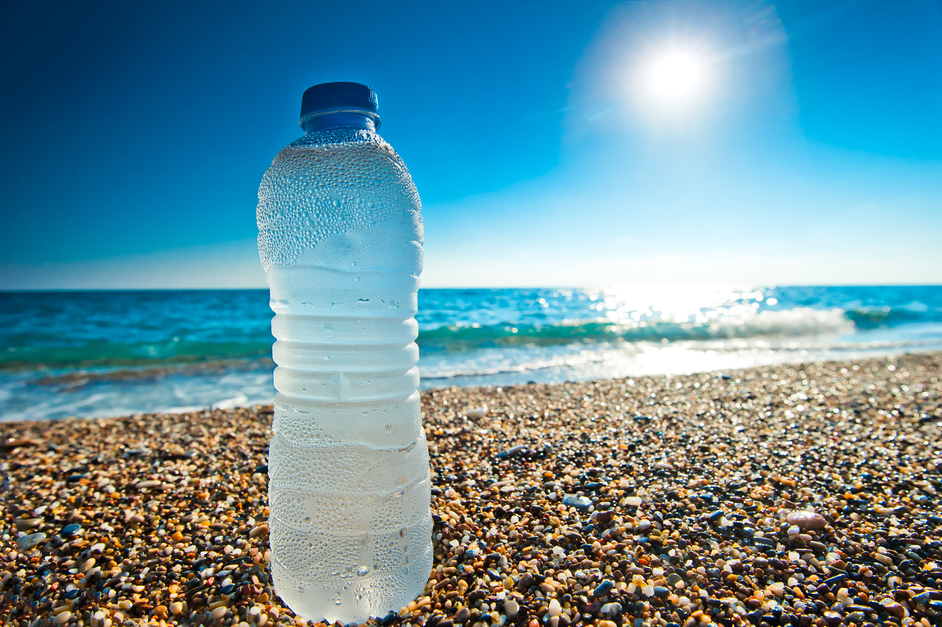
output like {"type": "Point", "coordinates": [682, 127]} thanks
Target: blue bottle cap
{"type": "Point", "coordinates": [338, 97]}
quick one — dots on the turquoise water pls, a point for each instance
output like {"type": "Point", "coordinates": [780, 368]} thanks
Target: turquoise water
{"type": "Point", "coordinates": [114, 353]}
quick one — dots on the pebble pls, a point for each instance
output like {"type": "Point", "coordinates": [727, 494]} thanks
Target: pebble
{"type": "Point", "coordinates": [32, 540]}
{"type": "Point", "coordinates": [579, 502]}
{"type": "Point", "coordinates": [70, 530]}
{"type": "Point", "coordinates": [258, 531]}
{"type": "Point", "coordinates": [23, 524]}
{"type": "Point", "coordinates": [63, 617]}
{"type": "Point", "coordinates": [603, 588]}
{"type": "Point", "coordinates": [555, 609]}
{"type": "Point", "coordinates": [219, 612]}
{"type": "Point", "coordinates": [633, 501]}
{"type": "Point", "coordinates": [511, 608]}
{"type": "Point", "coordinates": [806, 520]}
{"type": "Point", "coordinates": [146, 485]}
{"type": "Point", "coordinates": [477, 412]}
{"type": "Point", "coordinates": [176, 608]}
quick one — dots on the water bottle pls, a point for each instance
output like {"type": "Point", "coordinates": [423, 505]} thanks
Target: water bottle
{"type": "Point", "coordinates": [340, 238]}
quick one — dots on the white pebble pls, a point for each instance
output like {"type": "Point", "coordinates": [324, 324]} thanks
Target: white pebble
{"type": "Point", "coordinates": [555, 609]}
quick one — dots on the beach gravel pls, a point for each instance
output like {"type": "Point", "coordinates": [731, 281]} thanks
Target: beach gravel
{"type": "Point", "coordinates": [789, 495]}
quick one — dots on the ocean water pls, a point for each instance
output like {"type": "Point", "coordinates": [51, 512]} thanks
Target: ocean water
{"type": "Point", "coordinates": [98, 354]}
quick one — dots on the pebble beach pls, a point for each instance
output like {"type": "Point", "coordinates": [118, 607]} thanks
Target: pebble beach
{"type": "Point", "coordinates": [786, 495]}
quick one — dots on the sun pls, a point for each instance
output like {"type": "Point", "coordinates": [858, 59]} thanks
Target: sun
{"type": "Point", "coordinates": [675, 77]}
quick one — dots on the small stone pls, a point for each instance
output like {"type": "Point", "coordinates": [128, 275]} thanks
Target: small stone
{"type": "Point", "coordinates": [145, 485]}
{"type": "Point", "coordinates": [477, 412]}
{"type": "Point", "coordinates": [511, 608]}
{"type": "Point", "coordinates": [22, 524]}
{"type": "Point", "coordinates": [87, 565]}
{"type": "Point", "coordinates": [63, 617]}
{"type": "Point", "coordinates": [176, 608]}
{"type": "Point", "coordinates": [806, 520]}
{"type": "Point", "coordinates": [462, 615]}
{"type": "Point", "coordinates": [555, 609]}
{"type": "Point", "coordinates": [160, 611]}
{"type": "Point", "coordinates": [604, 518]}
{"type": "Point", "coordinates": [603, 588]}
{"type": "Point", "coordinates": [219, 612]}
{"type": "Point", "coordinates": [32, 540]}
{"type": "Point", "coordinates": [661, 592]}
{"type": "Point", "coordinates": [524, 583]}
{"type": "Point", "coordinates": [70, 530]}
{"type": "Point", "coordinates": [633, 501]}
{"type": "Point", "coordinates": [579, 502]}
{"type": "Point", "coordinates": [258, 531]}
{"type": "Point", "coordinates": [516, 450]}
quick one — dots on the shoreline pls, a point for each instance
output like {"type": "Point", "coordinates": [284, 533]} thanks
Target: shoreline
{"type": "Point", "coordinates": [653, 499]}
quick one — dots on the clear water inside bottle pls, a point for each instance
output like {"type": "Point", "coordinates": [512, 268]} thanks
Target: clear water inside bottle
{"type": "Point", "coordinates": [340, 237]}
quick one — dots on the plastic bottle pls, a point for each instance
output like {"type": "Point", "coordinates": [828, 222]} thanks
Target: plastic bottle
{"type": "Point", "coordinates": [340, 238]}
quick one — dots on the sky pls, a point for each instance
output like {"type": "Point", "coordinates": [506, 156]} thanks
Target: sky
{"type": "Point", "coordinates": [553, 143]}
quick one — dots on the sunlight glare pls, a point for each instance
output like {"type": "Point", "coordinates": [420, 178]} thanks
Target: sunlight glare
{"type": "Point", "coordinates": [675, 77]}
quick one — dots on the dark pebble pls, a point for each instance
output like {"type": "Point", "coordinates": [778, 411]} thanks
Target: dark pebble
{"type": "Point", "coordinates": [524, 583]}
{"type": "Point", "coordinates": [70, 530]}
{"type": "Point", "coordinates": [603, 518]}
{"type": "Point", "coordinates": [463, 615]}
{"type": "Point", "coordinates": [834, 582]}
{"type": "Point", "coordinates": [715, 516]}
{"type": "Point", "coordinates": [389, 619]}
{"type": "Point", "coordinates": [516, 450]}
{"type": "Point", "coordinates": [261, 469]}
{"type": "Point", "coordinates": [603, 588]}
{"type": "Point", "coordinates": [661, 592]}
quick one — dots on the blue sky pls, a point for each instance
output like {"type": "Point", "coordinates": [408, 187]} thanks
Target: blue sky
{"type": "Point", "coordinates": [810, 151]}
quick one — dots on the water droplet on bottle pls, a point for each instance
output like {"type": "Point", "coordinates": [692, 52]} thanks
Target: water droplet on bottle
{"type": "Point", "coordinates": [362, 571]}
{"type": "Point", "coordinates": [387, 428]}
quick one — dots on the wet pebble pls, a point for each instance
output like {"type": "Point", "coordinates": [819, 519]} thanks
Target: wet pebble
{"type": "Point", "coordinates": [579, 502]}
{"type": "Point", "coordinates": [32, 540]}
{"type": "Point", "coordinates": [806, 520]}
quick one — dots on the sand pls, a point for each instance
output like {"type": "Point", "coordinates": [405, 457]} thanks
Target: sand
{"type": "Point", "coordinates": [792, 495]}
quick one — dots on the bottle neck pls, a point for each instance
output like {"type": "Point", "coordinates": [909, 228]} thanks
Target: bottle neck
{"type": "Point", "coordinates": [340, 119]}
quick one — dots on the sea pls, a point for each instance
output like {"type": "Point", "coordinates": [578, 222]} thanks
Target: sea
{"type": "Point", "coordinates": [116, 353]}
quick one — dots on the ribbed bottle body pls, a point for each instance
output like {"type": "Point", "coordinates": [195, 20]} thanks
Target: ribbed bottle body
{"type": "Point", "coordinates": [340, 238]}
